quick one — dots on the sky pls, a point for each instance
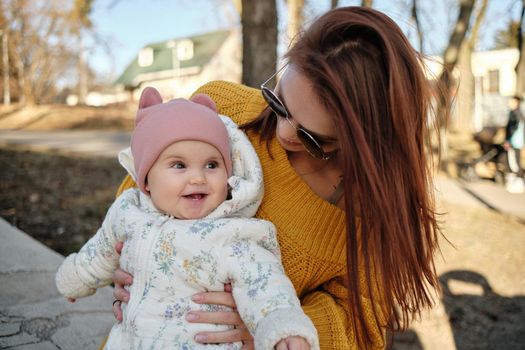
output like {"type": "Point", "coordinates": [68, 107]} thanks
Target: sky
{"type": "Point", "coordinates": [125, 26]}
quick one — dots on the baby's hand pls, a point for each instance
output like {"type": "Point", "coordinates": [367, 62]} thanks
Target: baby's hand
{"type": "Point", "coordinates": [292, 343]}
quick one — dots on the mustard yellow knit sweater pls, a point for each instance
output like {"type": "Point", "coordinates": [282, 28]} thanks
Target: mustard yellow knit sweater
{"type": "Point", "coordinates": [311, 231]}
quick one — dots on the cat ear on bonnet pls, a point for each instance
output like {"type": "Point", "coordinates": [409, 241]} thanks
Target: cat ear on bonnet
{"type": "Point", "coordinates": [149, 97]}
{"type": "Point", "coordinates": [204, 100]}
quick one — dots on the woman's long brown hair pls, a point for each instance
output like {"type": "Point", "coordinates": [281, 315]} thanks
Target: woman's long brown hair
{"type": "Point", "coordinates": [371, 81]}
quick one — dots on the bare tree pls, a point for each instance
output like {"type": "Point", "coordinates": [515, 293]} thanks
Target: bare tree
{"type": "Point", "coordinates": [43, 37]}
{"type": "Point", "coordinates": [295, 18]}
{"type": "Point", "coordinates": [4, 33]}
{"type": "Point", "coordinates": [366, 3]}
{"type": "Point", "coordinates": [507, 37]}
{"type": "Point", "coordinates": [334, 4]}
{"type": "Point", "coordinates": [5, 68]}
{"type": "Point", "coordinates": [16, 52]}
{"type": "Point", "coordinates": [415, 18]}
{"type": "Point", "coordinates": [445, 81]}
{"type": "Point", "coordinates": [520, 66]}
{"type": "Point", "coordinates": [259, 39]}
{"type": "Point", "coordinates": [466, 85]}
{"type": "Point", "coordinates": [80, 20]}
{"type": "Point", "coordinates": [451, 55]}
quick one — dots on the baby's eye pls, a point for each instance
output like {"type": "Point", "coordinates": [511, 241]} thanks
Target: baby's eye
{"type": "Point", "coordinates": [211, 165]}
{"type": "Point", "coordinates": [178, 165]}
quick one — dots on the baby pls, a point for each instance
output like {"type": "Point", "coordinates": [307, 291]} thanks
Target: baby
{"type": "Point", "coordinates": [188, 229]}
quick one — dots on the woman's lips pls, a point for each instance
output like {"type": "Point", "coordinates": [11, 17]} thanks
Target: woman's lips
{"type": "Point", "coordinates": [290, 142]}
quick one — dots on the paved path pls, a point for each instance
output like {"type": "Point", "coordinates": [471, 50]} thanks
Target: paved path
{"type": "Point", "coordinates": [497, 198]}
{"type": "Point", "coordinates": [95, 142]}
{"type": "Point", "coordinates": [33, 315]}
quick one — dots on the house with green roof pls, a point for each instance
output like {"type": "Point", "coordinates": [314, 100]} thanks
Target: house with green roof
{"type": "Point", "coordinates": [177, 67]}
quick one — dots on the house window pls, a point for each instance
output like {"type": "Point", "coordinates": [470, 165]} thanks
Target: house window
{"type": "Point", "coordinates": [493, 81]}
{"type": "Point", "coordinates": [185, 50]}
{"type": "Point", "coordinates": [145, 58]}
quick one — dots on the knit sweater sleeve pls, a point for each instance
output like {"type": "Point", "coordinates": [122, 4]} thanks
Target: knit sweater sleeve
{"type": "Point", "coordinates": [328, 309]}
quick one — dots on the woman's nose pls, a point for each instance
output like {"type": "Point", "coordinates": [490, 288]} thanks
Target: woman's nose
{"type": "Point", "coordinates": [287, 130]}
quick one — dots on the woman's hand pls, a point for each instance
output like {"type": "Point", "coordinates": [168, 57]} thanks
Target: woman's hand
{"type": "Point", "coordinates": [238, 333]}
{"type": "Point", "coordinates": [120, 279]}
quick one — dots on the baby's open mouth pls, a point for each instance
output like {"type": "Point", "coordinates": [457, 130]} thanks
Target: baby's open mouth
{"type": "Point", "coordinates": [195, 196]}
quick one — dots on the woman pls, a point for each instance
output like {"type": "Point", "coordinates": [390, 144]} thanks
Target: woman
{"type": "Point", "coordinates": [347, 179]}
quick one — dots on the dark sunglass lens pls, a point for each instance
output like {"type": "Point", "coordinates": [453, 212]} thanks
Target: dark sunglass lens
{"type": "Point", "coordinates": [274, 102]}
{"type": "Point", "coordinates": [311, 145]}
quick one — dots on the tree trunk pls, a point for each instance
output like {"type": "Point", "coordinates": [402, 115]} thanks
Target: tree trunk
{"type": "Point", "coordinates": [29, 96]}
{"type": "Point", "coordinates": [465, 98]}
{"type": "Point", "coordinates": [259, 39]}
{"type": "Point", "coordinates": [366, 3]}
{"type": "Point", "coordinates": [334, 4]}
{"type": "Point", "coordinates": [5, 68]}
{"type": "Point", "coordinates": [295, 18]}
{"type": "Point", "coordinates": [446, 82]}
{"type": "Point", "coordinates": [415, 17]}
{"type": "Point", "coordinates": [82, 72]}
{"type": "Point", "coordinates": [21, 81]}
{"type": "Point", "coordinates": [451, 56]}
{"type": "Point", "coordinates": [520, 66]}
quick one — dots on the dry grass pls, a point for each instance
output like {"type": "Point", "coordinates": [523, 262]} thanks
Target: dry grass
{"type": "Point", "coordinates": [58, 200]}
{"type": "Point", "coordinates": [60, 117]}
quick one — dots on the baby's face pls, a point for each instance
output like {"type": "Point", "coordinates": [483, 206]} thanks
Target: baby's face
{"type": "Point", "coordinates": [188, 180]}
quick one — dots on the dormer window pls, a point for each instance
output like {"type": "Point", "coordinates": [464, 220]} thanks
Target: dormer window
{"type": "Point", "coordinates": [145, 57]}
{"type": "Point", "coordinates": [185, 50]}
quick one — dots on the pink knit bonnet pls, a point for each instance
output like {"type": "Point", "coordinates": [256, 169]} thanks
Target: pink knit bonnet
{"type": "Point", "coordinates": [158, 125]}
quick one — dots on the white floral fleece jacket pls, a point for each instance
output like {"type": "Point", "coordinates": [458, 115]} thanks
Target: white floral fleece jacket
{"type": "Point", "coordinates": [172, 259]}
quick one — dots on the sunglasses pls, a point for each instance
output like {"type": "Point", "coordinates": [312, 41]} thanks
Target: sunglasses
{"type": "Point", "coordinates": [310, 143]}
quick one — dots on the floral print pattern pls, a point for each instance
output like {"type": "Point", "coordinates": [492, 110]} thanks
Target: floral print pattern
{"type": "Point", "coordinates": [201, 268]}
{"type": "Point", "coordinates": [165, 253]}
{"type": "Point", "coordinates": [203, 228]}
